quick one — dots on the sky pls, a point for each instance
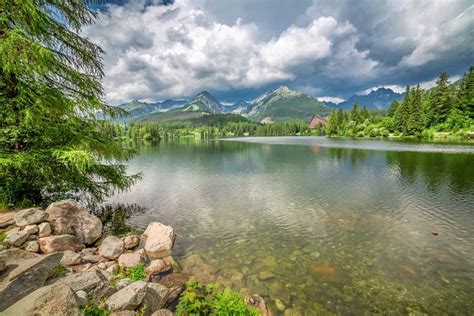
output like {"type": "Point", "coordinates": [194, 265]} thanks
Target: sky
{"type": "Point", "coordinates": [237, 50]}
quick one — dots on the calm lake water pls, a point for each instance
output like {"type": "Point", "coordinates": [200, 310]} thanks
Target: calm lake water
{"type": "Point", "coordinates": [317, 224]}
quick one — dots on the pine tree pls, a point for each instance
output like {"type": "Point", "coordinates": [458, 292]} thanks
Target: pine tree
{"type": "Point", "coordinates": [51, 143]}
{"type": "Point", "coordinates": [402, 113]}
{"type": "Point", "coordinates": [441, 99]}
{"type": "Point", "coordinates": [466, 94]}
{"type": "Point", "coordinates": [393, 108]}
{"type": "Point", "coordinates": [414, 119]}
{"type": "Point", "coordinates": [354, 114]}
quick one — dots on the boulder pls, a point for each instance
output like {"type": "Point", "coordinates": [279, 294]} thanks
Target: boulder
{"type": "Point", "coordinates": [54, 299]}
{"type": "Point", "coordinates": [30, 216]}
{"type": "Point", "coordinates": [258, 302]}
{"type": "Point", "coordinates": [7, 223]}
{"type": "Point", "coordinates": [123, 313]}
{"type": "Point", "coordinates": [155, 298]}
{"type": "Point", "coordinates": [92, 258]}
{"type": "Point", "coordinates": [120, 284]}
{"type": "Point", "coordinates": [93, 281]}
{"type": "Point", "coordinates": [3, 263]}
{"type": "Point", "coordinates": [24, 273]}
{"type": "Point", "coordinates": [31, 229]}
{"type": "Point", "coordinates": [127, 298]}
{"type": "Point", "coordinates": [70, 258]}
{"type": "Point", "coordinates": [129, 260]}
{"type": "Point", "coordinates": [32, 246]}
{"type": "Point", "coordinates": [7, 219]}
{"type": "Point", "coordinates": [59, 243]}
{"type": "Point", "coordinates": [158, 266]}
{"type": "Point", "coordinates": [16, 237]}
{"type": "Point", "coordinates": [44, 229]}
{"type": "Point", "coordinates": [113, 269]}
{"type": "Point", "coordinates": [82, 297]}
{"type": "Point", "coordinates": [163, 312]}
{"type": "Point", "coordinates": [68, 217]}
{"type": "Point", "coordinates": [159, 240]}
{"type": "Point", "coordinates": [131, 242]}
{"type": "Point", "coordinates": [111, 247]}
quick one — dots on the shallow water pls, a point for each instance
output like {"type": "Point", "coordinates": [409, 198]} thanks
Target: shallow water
{"type": "Point", "coordinates": [338, 225]}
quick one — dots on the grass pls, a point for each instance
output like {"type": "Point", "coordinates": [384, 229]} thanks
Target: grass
{"type": "Point", "coordinates": [58, 272]}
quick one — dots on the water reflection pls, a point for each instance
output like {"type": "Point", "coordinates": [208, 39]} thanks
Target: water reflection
{"type": "Point", "coordinates": [324, 229]}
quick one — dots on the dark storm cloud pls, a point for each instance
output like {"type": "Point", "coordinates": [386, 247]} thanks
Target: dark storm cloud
{"type": "Point", "coordinates": [238, 49]}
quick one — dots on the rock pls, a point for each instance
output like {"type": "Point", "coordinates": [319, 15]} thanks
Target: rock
{"type": "Point", "coordinates": [16, 237]}
{"type": "Point", "coordinates": [257, 302]}
{"type": "Point", "coordinates": [82, 297]}
{"type": "Point", "coordinates": [31, 229]}
{"type": "Point", "coordinates": [131, 242]}
{"type": "Point", "coordinates": [435, 232]}
{"type": "Point", "coordinates": [55, 299]}
{"type": "Point", "coordinates": [123, 313]}
{"type": "Point", "coordinates": [155, 298]}
{"type": "Point", "coordinates": [7, 223]}
{"type": "Point", "coordinates": [3, 264]}
{"type": "Point", "coordinates": [33, 237]}
{"type": "Point", "coordinates": [2, 247]}
{"type": "Point", "coordinates": [159, 240]}
{"type": "Point", "coordinates": [70, 258]}
{"type": "Point", "coordinates": [44, 229]}
{"type": "Point", "coordinates": [265, 275]}
{"type": "Point", "coordinates": [32, 246]}
{"type": "Point", "coordinates": [279, 305]}
{"type": "Point", "coordinates": [68, 217]}
{"type": "Point", "coordinates": [102, 266]}
{"type": "Point", "coordinates": [127, 298]}
{"type": "Point", "coordinates": [93, 281]}
{"type": "Point", "coordinates": [163, 312]}
{"type": "Point", "coordinates": [59, 243]}
{"type": "Point", "coordinates": [295, 311]}
{"type": "Point", "coordinates": [111, 247]}
{"type": "Point", "coordinates": [113, 269]}
{"type": "Point", "coordinates": [24, 273]}
{"type": "Point", "coordinates": [123, 283]}
{"type": "Point", "coordinates": [92, 258]}
{"type": "Point", "coordinates": [237, 277]}
{"type": "Point", "coordinates": [157, 266]}
{"type": "Point", "coordinates": [30, 216]}
{"type": "Point", "coordinates": [129, 260]}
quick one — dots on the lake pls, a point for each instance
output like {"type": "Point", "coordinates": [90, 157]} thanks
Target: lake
{"type": "Point", "coordinates": [350, 227]}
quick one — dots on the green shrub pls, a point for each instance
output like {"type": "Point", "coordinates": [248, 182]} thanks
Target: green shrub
{"type": "Point", "coordinates": [199, 299]}
{"type": "Point", "coordinates": [136, 273]}
{"type": "Point", "coordinates": [58, 272]}
{"type": "Point", "coordinates": [3, 235]}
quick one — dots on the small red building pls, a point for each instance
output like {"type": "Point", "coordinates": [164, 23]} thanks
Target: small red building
{"type": "Point", "coordinates": [317, 120]}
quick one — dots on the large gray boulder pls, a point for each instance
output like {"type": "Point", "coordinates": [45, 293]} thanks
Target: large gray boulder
{"type": "Point", "coordinates": [111, 247]}
{"type": "Point", "coordinates": [92, 281]}
{"type": "Point", "coordinates": [127, 298]}
{"type": "Point", "coordinates": [155, 298]}
{"type": "Point", "coordinates": [24, 273]}
{"type": "Point", "coordinates": [129, 260]}
{"type": "Point", "coordinates": [68, 217]}
{"type": "Point", "coordinates": [70, 258]}
{"type": "Point", "coordinates": [159, 240]}
{"type": "Point", "coordinates": [30, 216]}
{"type": "Point", "coordinates": [44, 229]}
{"type": "Point", "coordinates": [17, 237]}
{"type": "Point", "coordinates": [163, 312]}
{"type": "Point", "coordinates": [59, 243]}
{"type": "Point", "coordinates": [56, 299]}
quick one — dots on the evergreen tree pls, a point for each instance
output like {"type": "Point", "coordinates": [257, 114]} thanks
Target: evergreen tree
{"type": "Point", "coordinates": [414, 119]}
{"type": "Point", "coordinates": [466, 94]}
{"type": "Point", "coordinates": [51, 143]}
{"type": "Point", "coordinates": [393, 108]}
{"type": "Point", "coordinates": [354, 114]}
{"type": "Point", "coordinates": [441, 99]}
{"type": "Point", "coordinates": [403, 112]}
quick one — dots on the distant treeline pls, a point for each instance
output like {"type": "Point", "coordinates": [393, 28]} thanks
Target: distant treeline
{"type": "Point", "coordinates": [206, 127]}
{"type": "Point", "coordinates": [444, 108]}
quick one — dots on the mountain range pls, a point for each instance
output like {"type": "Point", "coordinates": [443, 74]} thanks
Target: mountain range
{"type": "Point", "coordinates": [277, 105]}
{"type": "Point", "coordinates": [376, 100]}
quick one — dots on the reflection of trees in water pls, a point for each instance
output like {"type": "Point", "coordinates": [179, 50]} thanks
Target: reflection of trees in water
{"type": "Point", "coordinates": [355, 156]}
{"type": "Point", "coordinates": [115, 217]}
{"type": "Point", "coordinates": [435, 168]}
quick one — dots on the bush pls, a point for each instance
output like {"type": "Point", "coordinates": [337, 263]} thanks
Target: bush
{"type": "Point", "coordinates": [199, 299]}
{"type": "Point", "coordinates": [136, 273]}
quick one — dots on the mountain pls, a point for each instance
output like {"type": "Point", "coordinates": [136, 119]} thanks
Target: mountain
{"type": "Point", "coordinates": [137, 109]}
{"type": "Point", "coordinates": [375, 100]}
{"type": "Point", "coordinates": [283, 104]}
{"type": "Point", "coordinates": [241, 107]}
{"type": "Point", "coordinates": [204, 102]}
{"type": "Point", "coordinates": [201, 105]}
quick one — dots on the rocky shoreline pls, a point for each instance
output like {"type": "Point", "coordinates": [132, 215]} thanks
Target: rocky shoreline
{"type": "Point", "coordinates": [56, 261]}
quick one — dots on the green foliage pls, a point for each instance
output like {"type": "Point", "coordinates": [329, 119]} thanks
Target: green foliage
{"type": "Point", "coordinates": [58, 272]}
{"type": "Point", "coordinates": [199, 299]}
{"type": "Point", "coordinates": [51, 145]}
{"type": "Point", "coordinates": [94, 307]}
{"type": "Point", "coordinates": [445, 108]}
{"type": "Point", "coordinates": [136, 273]}
{"type": "Point", "coordinates": [3, 235]}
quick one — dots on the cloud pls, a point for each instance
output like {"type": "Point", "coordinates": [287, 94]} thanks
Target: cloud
{"type": "Point", "coordinates": [156, 51]}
